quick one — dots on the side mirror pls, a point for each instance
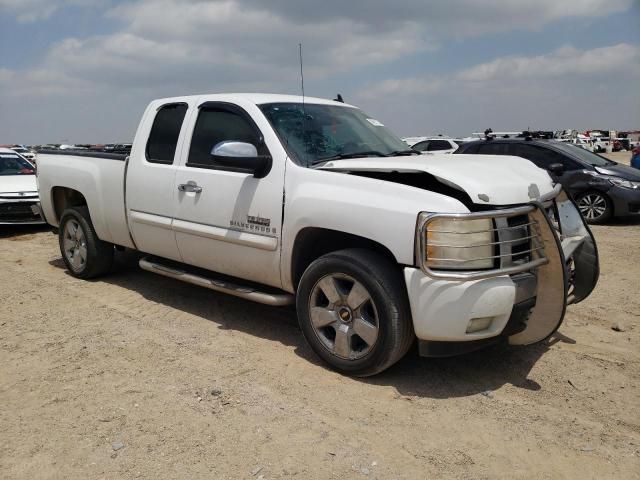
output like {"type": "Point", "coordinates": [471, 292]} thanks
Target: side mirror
{"type": "Point", "coordinates": [556, 168]}
{"type": "Point", "coordinates": [243, 156]}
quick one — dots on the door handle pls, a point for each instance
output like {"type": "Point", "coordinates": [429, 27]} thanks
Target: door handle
{"type": "Point", "coordinates": [190, 187]}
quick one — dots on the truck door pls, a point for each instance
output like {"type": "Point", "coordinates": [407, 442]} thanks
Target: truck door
{"type": "Point", "coordinates": [150, 193]}
{"type": "Point", "coordinates": [227, 220]}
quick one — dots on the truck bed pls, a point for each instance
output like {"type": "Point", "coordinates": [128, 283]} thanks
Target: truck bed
{"type": "Point", "coordinates": [99, 176]}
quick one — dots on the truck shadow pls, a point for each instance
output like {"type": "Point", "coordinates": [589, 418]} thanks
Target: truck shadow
{"type": "Point", "coordinates": [478, 372]}
{"type": "Point", "coordinates": [17, 231]}
{"type": "Point", "coordinates": [460, 376]}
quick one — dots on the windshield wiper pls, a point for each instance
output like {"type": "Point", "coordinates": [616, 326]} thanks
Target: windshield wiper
{"type": "Point", "coordinates": [368, 153]}
{"type": "Point", "coordinates": [410, 151]}
{"type": "Point", "coordinates": [343, 156]}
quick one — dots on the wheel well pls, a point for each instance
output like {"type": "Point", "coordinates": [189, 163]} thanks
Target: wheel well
{"type": "Point", "coordinates": [64, 198]}
{"type": "Point", "coordinates": [311, 243]}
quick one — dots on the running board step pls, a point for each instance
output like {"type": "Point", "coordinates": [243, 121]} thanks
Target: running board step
{"type": "Point", "coordinates": [249, 293]}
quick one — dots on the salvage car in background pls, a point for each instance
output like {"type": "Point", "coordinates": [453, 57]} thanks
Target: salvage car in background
{"type": "Point", "coordinates": [602, 188]}
{"type": "Point", "coordinates": [18, 189]}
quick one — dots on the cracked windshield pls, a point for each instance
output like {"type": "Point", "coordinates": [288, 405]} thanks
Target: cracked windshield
{"type": "Point", "coordinates": [315, 133]}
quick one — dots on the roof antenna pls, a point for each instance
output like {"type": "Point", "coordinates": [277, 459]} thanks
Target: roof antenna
{"type": "Point", "coordinates": [304, 112]}
{"type": "Point", "coordinates": [338, 99]}
{"type": "Point", "coordinates": [301, 73]}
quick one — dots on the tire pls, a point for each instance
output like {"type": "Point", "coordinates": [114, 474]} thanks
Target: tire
{"type": "Point", "coordinates": [595, 207]}
{"type": "Point", "coordinates": [84, 254]}
{"type": "Point", "coordinates": [342, 298]}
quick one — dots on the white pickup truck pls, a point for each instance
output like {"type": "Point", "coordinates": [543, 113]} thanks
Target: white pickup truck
{"type": "Point", "coordinates": [283, 199]}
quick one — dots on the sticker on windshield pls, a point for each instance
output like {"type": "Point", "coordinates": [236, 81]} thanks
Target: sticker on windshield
{"type": "Point", "coordinates": [8, 155]}
{"type": "Point", "coordinates": [374, 122]}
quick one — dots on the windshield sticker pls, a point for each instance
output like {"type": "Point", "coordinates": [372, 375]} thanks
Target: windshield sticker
{"type": "Point", "coordinates": [375, 122]}
{"type": "Point", "coordinates": [8, 155]}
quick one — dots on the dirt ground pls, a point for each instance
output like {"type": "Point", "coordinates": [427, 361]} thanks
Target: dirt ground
{"type": "Point", "coordinates": [139, 376]}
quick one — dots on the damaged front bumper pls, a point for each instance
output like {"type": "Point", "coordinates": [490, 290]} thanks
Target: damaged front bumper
{"type": "Point", "coordinates": [524, 298]}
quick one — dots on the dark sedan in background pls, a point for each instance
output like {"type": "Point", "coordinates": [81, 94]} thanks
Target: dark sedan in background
{"type": "Point", "coordinates": [601, 187]}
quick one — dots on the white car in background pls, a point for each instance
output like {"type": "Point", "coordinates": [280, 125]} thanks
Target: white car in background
{"type": "Point", "coordinates": [433, 144]}
{"type": "Point", "coordinates": [24, 152]}
{"type": "Point", "coordinates": [18, 189]}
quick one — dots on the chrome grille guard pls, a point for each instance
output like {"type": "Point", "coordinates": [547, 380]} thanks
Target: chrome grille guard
{"type": "Point", "coordinates": [552, 221]}
{"type": "Point", "coordinates": [506, 235]}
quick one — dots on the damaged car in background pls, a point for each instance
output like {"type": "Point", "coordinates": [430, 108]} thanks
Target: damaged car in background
{"type": "Point", "coordinates": [290, 200]}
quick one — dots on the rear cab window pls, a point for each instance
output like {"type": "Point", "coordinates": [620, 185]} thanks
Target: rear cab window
{"type": "Point", "coordinates": [435, 145]}
{"type": "Point", "coordinates": [163, 138]}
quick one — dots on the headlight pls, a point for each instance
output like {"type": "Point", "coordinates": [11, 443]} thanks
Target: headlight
{"type": "Point", "coordinates": [457, 243]}
{"type": "Point", "coordinates": [621, 182]}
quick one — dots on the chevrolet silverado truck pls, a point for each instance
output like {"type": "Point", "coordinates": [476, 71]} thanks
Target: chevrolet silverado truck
{"type": "Point", "coordinates": [286, 200]}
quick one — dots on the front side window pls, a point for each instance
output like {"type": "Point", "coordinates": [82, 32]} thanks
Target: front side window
{"type": "Point", "coordinates": [12, 164]}
{"type": "Point", "coordinates": [540, 156]}
{"type": "Point", "coordinates": [583, 155]}
{"type": "Point", "coordinates": [548, 157]}
{"type": "Point", "coordinates": [217, 124]}
{"type": "Point", "coordinates": [163, 138]}
{"type": "Point", "coordinates": [315, 133]}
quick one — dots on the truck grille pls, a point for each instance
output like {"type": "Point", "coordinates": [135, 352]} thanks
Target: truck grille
{"type": "Point", "coordinates": [17, 212]}
{"type": "Point", "coordinates": [518, 240]}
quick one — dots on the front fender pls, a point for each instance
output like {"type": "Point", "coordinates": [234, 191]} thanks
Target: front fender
{"type": "Point", "coordinates": [384, 212]}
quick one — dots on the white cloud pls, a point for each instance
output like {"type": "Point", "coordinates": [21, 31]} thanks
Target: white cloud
{"type": "Point", "coordinates": [29, 11]}
{"type": "Point", "coordinates": [562, 62]}
{"type": "Point", "coordinates": [618, 60]}
{"type": "Point", "coordinates": [566, 88]}
{"type": "Point", "coordinates": [168, 47]}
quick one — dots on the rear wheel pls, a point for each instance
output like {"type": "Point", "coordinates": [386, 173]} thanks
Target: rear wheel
{"type": "Point", "coordinates": [84, 254]}
{"type": "Point", "coordinates": [354, 312]}
{"type": "Point", "coordinates": [595, 207]}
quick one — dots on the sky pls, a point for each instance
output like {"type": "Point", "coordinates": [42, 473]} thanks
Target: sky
{"type": "Point", "coordinates": [82, 71]}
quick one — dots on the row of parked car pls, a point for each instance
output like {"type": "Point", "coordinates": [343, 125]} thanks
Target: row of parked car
{"type": "Point", "coordinates": [602, 188]}
{"type": "Point", "coordinates": [29, 152]}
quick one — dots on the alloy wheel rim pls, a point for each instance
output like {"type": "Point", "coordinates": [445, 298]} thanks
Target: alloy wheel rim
{"type": "Point", "coordinates": [592, 206]}
{"type": "Point", "coordinates": [343, 316]}
{"type": "Point", "coordinates": [74, 245]}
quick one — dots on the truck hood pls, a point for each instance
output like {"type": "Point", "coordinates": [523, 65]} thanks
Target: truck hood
{"type": "Point", "coordinates": [18, 183]}
{"type": "Point", "coordinates": [487, 179]}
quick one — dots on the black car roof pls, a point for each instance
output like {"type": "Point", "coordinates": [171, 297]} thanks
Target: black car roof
{"type": "Point", "coordinates": [544, 141]}
{"type": "Point", "coordinates": [530, 141]}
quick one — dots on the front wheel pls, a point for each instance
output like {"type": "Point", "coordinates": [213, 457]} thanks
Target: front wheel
{"type": "Point", "coordinates": [84, 254]}
{"type": "Point", "coordinates": [595, 207]}
{"type": "Point", "coordinates": [354, 312]}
